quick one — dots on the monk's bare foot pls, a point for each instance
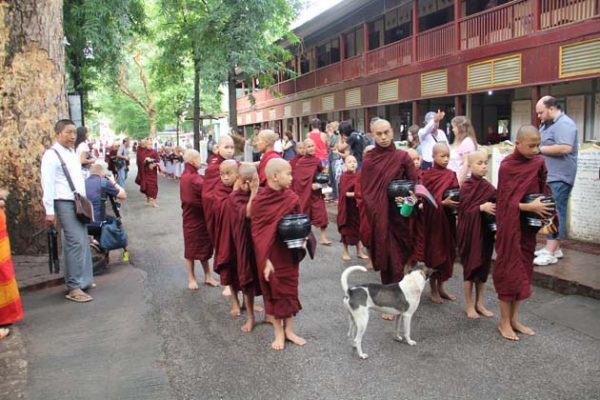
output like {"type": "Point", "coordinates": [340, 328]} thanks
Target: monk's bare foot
{"type": "Point", "coordinates": [370, 266]}
{"type": "Point", "coordinates": [325, 242]}
{"type": "Point", "coordinates": [508, 333]}
{"type": "Point", "coordinates": [297, 340]}
{"type": "Point", "coordinates": [4, 332]}
{"type": "Point", "coordinates": [235, 312]}
{"type": "Point", "coordinates": [211, 282]}
{"type": "Point", "coordinates": [193, 285]}
{"type": "Point", "coordinates": [346, 257]}
{"type": "Point", "coordinates": [484, 311]}
{"type": "Point", "coordinates": [269, 319]}
{"type": "Point", "coordinates": [258, 308]}
{"type": "Point", "coordinates": [247, 327]}
{"type": "Point", "coordinates": [471, 313]}
{"type": "Point", "coordinates": [519, 327]}
{"type": "Point", "coordinates": [279, 342]}
{"type": "Point", "coordinates": [227, 291]}
{"type": "Point", "coordinates": [436, 298]}
{"type": "Point", "coordinates": [387, 317]}
{"type": "Point", "coordinates": [154, 204]}
{"type": "Point", "coordinates": [447, 296]}
{"type": "Point", "coordinates": [363, 256]}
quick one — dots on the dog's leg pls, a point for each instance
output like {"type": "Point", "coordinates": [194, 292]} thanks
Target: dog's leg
{"type": "Point", "coordinates": [361, 318]}
{"type": "Point", "coordinates": [397, 325]}
{"type": "Point", "coordinates": [351, 323]}
{"type": "Point", "coordinates": [406, 319]}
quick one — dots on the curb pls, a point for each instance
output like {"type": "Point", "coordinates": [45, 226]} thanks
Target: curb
{"type": "Point", "coordinates": [564, 286]}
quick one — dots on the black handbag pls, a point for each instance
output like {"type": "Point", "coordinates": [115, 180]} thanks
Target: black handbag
{"type": "Point", "coordinates": [84, 208]}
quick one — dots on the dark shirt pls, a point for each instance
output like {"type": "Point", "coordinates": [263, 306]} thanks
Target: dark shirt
{"type": "Point", "coordinates": [291, 152]}
{"type": "Point", "coordinates": [357, 145]}
{"type": "Point", "coordinates": [93, 188]}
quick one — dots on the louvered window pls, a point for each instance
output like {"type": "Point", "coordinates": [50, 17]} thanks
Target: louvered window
{"type": "Point", "coordinates": [306, 107]}
{"type": "Point", "coordinates": [353, 97]}
{"type": "Point", "coordinates": [272, 114]}
{"type": "Point", "coordinates": [580, 58]}
{"type": "Point", "coordinates": [259, 116]}
{"type": "Point", "coordinates": [248, 119]}
{"type": "Point", "coordinates": [435, 82]}
{"type": "Point", "coordinates": [387, 91]}
{"type": "Point", "coordinates": [327, 102]}
{"type": "Point", "coordinates": [287, 111]}
{"type": "Point", "coordinates": [496, 72]}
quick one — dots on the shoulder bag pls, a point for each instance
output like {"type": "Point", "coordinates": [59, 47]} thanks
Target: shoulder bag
{"type": "Point", "coordinates": [83, 206]}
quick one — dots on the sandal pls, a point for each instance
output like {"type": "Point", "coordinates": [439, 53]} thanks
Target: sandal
{"type": "Point", "coordinates": [79, 298]}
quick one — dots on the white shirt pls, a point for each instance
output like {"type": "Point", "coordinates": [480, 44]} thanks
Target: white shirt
{"type": "Point", "coordinates": [54, 181]}
{"type": "Point", "coordinates": [428, 140]}
{"type": "Point", "coordinates": [278, 146]}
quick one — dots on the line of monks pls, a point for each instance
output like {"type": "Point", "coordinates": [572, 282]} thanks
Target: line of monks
{"type": "Point", "coordinates": [232, 213]}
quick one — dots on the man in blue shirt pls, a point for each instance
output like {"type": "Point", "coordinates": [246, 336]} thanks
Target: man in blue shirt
{"type": "Point", "coordinates": [93, 190]}
{"type": "Point", "coordinates": [559, 148]}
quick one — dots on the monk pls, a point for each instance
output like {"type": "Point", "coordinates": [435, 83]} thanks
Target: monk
{"type": "Point", "coordinates": [418, 228]}
{"type": "Point", "coordinates": [389, 239]}
{"type": "Point", "coordinates": [140, 155]}
{"type": "Point", "coordinates": [365, 228]}
{"type": "Point", "coordinates": [299, 153]}
{"type": "Point", "coordinates": [150, 176]}
{"type": "Point", "coordinates": [312, 201]}
{"type": "Point", "coordinates": [440, 223]}
{"type": "Point", "coordinates": [265, 144]}
{"type": "Point", "coordinates": [241, 239]}
{"type": "Point", "coordinates": [475, 239]}
{"type": "Point", "coordinates": [195, 236]}
{"type": "Point", "coordinates": [521, 173]}
{"type": "Point", "coordinates": [348, 218]}
{"type": "Point", "coordinates": [278, 266]}
{"type": "Point", "coordinates": [224, 263]}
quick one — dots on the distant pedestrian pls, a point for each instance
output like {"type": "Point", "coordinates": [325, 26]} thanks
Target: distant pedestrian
{"type": "Point", "coordinates": [335, 162]}
{"type": "Point", "coordinates": [11, 309]}
{"type": "Point", "coordinates": [289, 146]}
{"type": "Point", "coordinates": [354, 141]}
{"type": "Point", "coordinates": [429, 135]}
{"type": "Point", "coordinates": [60, 207]}
{"type": "Point", "coordinates": [122, 162]}
{"type": "Point", "coordinates": [559, 148]}
{"type": "Point", "coordinates": [464, 143]}
{"type": "Point", "coordinates": [320, 139]}
{"type": "Point", "coordinates": [209, 146]}
{"type": "Point", "coordinates": [412, 137]}
{"type": "Point", "coordinates": [82, 148]}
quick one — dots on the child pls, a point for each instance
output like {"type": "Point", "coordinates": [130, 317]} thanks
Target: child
{"type": "Point", "coordinates": [440, 225]}
{"type": "Point", "coordinates": [299, 153]}
{"type": "Point", "coordinates": [277, 265]}
{"type": "Point", "coordinates": [475, 238]}
{"type": "Point", "coordinates": [521, 173]}
{"type": "Point", "coordinates": [312, 201]}
{"type": "Point", "coordinates": [266, 145]}
{"type": "Point", "coordinates": [245, 260]}
{"type": "Point", "coordinates": [418, 219]}
{"type": "Point", "coordinates": [224, 263]}
{"type": "Point", "coordinates": [348, 219]}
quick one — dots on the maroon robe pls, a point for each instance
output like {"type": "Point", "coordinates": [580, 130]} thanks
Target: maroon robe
{"type": "Point", "coordinates": [224, 263]}
{"type": "Point", "coordinates": [515, 241]}
{"type": "Point", "coordinates": [195, 236]}
{"type": "Point", "coordinates": [418, 227]}
{"type": "Point", "coordinates": [212, 177]}
{"type": "Point", "coordinates": [390, 239]}
{"type": "Point", "coordinates": [262, 175]}
{"type": "Point", "coordinates": [140, 155]}
{"type": "Point", "coordinates": [440, 224]}
{"type": "Point", "coordinates": [348, 218]}
{"type": "Point", "coordinates": [280, 293]}
{"type": "Point", "coordinates": [475, 240]}
{"type": "Point", "coordinates": [312, 202]}
{"type": "Point", "coordinates": [294, 160]}
{"type": "Point", "coordinates": [365, 228]}
{"type": "Point", "coordinates": [241, 236]}
{"type": "Point", "coordinates": [150, 175]}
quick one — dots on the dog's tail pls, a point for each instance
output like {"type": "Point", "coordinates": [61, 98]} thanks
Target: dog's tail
{"type": "Point", "coordinates": [347, 272]}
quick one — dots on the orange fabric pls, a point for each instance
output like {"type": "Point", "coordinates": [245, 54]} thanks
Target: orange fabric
{"type": "Point", "coordinates": [11, 309]}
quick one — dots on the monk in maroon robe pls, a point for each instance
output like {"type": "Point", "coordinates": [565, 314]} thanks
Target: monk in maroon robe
{"type": "Point", "coordinates": [150, 176]}
{"type": "Point", "coordinates": [390, 241]}
{"type": "Point", "coordinates": [195, 236]}
{"type": "Point", "coordinates": [475, 238]}
{"type": "Point", "coordinates": [521, 173]}
{"type": "Point", "coordinates": [348, 218]}
{"type": "Point", "coordinates": [278, 266]}
{"type": "Point", "coordinates": [418, 223]}
{"type": "Point", "coordinates": [212, 177]}
{"type": "Point", "coordinates": [299, 154]}
{"type": "Point", "coordinates": [265, 144]}
{"type": "Point", "coordinates": [140, 155]}
{"type": "Point", "coordinates": [241, 238]}
{"type": "Point", "coordinates": [440, 223]}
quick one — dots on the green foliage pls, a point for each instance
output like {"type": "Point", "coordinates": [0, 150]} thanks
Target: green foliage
{"type": "Point", "coordinates": [124, 116]}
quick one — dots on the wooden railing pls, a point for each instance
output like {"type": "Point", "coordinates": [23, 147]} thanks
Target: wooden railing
{"type": "Point", "coordinates": [328, 75]}
{"type": "Point", "coordinates": [352, 68]}
{"type": "Point", "coordinates": [390, 56]}
{"type": "Point", "coordinates": [561, 12]}
{"type": "Point", "coordinates": [287, 87]}
{"type": "Point", "coordinates": [305, 82]}
{"type": "Point", "coordinates": [436, 42]}
{"type": "Point", "coordinates": [510, 21]}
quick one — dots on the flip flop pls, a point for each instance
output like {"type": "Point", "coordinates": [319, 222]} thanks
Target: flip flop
{"type": "Point", "coordinates": [79, 298]}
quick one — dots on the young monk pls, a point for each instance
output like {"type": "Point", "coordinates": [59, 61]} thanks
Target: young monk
{"type": "Point", "coordinates": [348, 218]}
{"type": "Point", "coordinates": [475, 239]}
{"type": "Point", "coordinates": [312, 201]}
{"type": "Point", "coordinates": [299, 153]}
{"type": "Point", "coordinates": [418, 228]}
{"type": "Point", "coordinates": [195, 236]}
{"type": "Point", "coordinates": [440, 224]}
{"type": "Point", "coordinates": [150, 176]}
{"type": "Point", "coordinates": [140, 156]}
{"type": "Point", "coordinates": [521, 173]}
{"type": "Point", "coordinates": [265, 144]}
{"type": "Point", "coordinates": [390, 240]}
{"type": "Point", "coordinates": [241, 245]}
{"type": "Point", "coordinates": [224, 263]}
{"type": "Point", "coordinates": [365, 228]}
{"type": "Point", "coordinates": [277, 265]}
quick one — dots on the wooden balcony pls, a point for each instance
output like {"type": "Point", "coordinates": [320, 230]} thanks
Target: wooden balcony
{"type": "Point", "coordinates": [512, 20]}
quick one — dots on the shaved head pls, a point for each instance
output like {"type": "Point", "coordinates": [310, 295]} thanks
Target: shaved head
{"type": "Point", "coordinates": [477, 155]}
{"type": "Point", "coordinates": [190, 155]}
{"type": "Point", "coordinates": [380, 121]}
{"type": "Point", "coordinates": [228, 165]}
{"type": "Point", "coordinates": [412, 153]}
{"type": "Point", "coordinates": [440, 147]}
{"type": "Point", "coordinates": [308, 141]}
{"type": "Point", "coordinates": [269, 136]}
{"type": "Point", "coordinates": [246, 171]}
{"type": "Point", "coordinates": [275, 166]}
{"type": "Point", "coordinates": [527, 131]}
{"type": "Point", "coordinates": [225, 139]}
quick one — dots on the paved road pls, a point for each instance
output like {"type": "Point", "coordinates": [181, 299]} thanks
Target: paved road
{"type": "Point", "coordinates": [146, 336]}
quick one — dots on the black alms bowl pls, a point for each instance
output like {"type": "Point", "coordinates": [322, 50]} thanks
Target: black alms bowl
{"type": "Point", "coordinates": [489, 220]}
{"type": "Point", "coordinates": [400, 188]}
{"type": "Point", "coordinates": [452, 193]}
{"type": "Point", "coordinates": [322, 178]}
{"type": "Point", "coordinates": [293, 229]}
{"type": "Point", "coordinates": [532, 219]}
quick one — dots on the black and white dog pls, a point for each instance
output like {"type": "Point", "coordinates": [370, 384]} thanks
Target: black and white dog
{"type": "Point", "coordinates": [399, 299]}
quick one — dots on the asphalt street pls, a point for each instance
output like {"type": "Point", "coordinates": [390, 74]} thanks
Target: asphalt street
{"type": "Point", "coordinates": [146, 336]}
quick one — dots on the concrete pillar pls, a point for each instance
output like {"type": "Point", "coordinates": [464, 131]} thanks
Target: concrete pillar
{"type": "Point", "coordinates": [415, 113]}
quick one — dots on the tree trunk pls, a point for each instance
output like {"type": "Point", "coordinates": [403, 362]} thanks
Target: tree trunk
{"type": "Point", "coordinates": [232, 94]}
{"type": "Point", "coordinates": [32, 87]}
{"type": "Point", "coordinates": [197, 104]}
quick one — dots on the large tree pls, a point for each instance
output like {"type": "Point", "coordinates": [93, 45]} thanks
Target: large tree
{"type": "Point", "coordinates": [32, 83]}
